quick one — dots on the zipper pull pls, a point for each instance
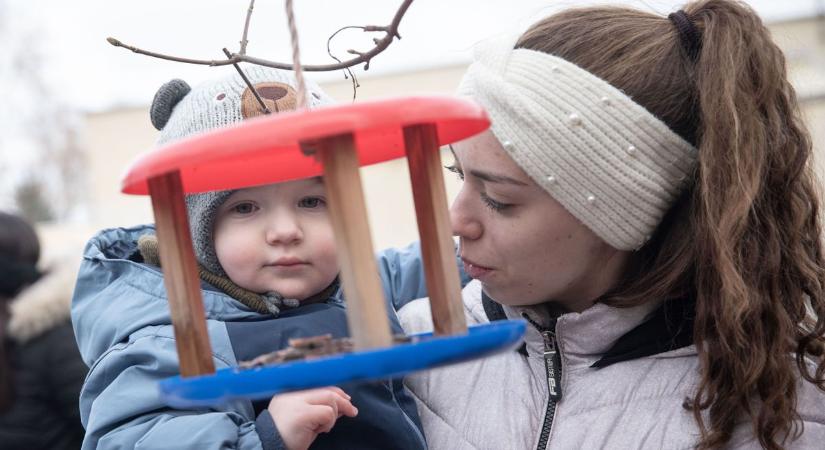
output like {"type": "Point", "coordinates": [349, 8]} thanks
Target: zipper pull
{"type": "Point", "coordinates": [552, 364]}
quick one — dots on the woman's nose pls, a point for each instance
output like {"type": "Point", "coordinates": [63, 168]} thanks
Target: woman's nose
{"type": "Point", "coordinates": [282, 229]}
{"type": "Point", "coordinates": [462, 220]}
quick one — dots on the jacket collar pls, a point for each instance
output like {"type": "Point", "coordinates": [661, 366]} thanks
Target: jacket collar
{"type": "Point", "coordinates": [667, 328]}
{"type": "Point", "coordinates": [603, 335]}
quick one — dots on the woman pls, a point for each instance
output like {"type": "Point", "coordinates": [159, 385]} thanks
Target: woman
{"type": "Point", "coordinates": [645, 199]}
{"type": "Point", "coordinates": [40, 367]}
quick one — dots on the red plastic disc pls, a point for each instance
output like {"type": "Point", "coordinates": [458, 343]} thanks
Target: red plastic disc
{"type": "Point", "coordinates": [266, 149]}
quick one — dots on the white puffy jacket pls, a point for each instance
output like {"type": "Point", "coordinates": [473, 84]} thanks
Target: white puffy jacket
{"type": "Point", "coordinates": [503, 402]}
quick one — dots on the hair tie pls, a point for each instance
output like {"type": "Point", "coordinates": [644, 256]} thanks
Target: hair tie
{"type": "Point", "coordinates": [688, 33]}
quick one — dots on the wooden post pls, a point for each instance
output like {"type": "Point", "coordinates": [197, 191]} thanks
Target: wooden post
{"type": "Point", "coordinates": [437, 248]}
{"type": "Point", "coordinates": [180, 275]}
{"type": "Point", "coordinates": [366, 308]}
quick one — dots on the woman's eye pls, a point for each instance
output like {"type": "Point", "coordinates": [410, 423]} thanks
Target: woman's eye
{"type": "Point", "coordinates": [244, 208]}
{"type": "Point", "coordinates": [454, 169]}
{"type": "Point", "coordinates": [312, 202]}
{"type": "Point", "coordinates": [494, 205]}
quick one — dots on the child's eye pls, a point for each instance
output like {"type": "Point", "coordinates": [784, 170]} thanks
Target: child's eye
{"type": "Point", "coordinates": [456, 170]}
{"type": "Point", "coordinates": [312, 202]}
{"type": "Point", "coordinates": [244, 208]}
{"type": "Point", "coordinates": [494, 205]}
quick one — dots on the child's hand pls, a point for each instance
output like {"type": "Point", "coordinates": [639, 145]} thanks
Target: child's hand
{"type": "Point", "coordinates": [301, 416]}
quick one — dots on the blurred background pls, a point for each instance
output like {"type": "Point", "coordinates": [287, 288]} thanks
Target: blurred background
{"type": "Point", "coordinates": [74, 109]}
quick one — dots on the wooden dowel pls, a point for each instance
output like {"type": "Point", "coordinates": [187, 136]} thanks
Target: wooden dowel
{"type": "Point", "coordinates": [366, 308]}
{"type": "Point", "coordinates": [437, 247]}
{"type": "Point", "coordinates": [180, 275]}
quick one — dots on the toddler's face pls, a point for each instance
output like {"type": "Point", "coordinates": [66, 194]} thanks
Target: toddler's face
{"type": "Point", "coordinates": [278, 238]}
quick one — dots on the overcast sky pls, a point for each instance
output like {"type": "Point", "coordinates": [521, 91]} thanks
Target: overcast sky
{"type": "Point", "coordinates": [88, 73]}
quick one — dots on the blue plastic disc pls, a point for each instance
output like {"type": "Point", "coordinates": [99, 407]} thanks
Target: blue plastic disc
{"type": "Point", "coordinates": [424, 352]}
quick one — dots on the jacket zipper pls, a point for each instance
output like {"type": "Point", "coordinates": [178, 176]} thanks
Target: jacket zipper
{"type": "Point", "coordinates": [552, 367]}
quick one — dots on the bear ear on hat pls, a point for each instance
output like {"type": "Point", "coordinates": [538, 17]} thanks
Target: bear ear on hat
{"type": "Point", "coordinates": [165, 100]}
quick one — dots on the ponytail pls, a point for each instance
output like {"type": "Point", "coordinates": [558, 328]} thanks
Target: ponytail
{"type": "Point", "coordinates": [756, 231]}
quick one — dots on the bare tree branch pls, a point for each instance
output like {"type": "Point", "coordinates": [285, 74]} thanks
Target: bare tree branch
{"type": "Point", "coordinates": [212, 62]}
{"type": "Point", "coordinates": [391, 31]}
{"type": "Point", "coordinates": [244, 41]}
{"type": "Point", "coordinates": [347, 70]}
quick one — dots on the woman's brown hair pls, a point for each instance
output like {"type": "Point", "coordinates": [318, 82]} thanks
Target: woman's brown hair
{"type": "Point", "coordinates": [744, 240]}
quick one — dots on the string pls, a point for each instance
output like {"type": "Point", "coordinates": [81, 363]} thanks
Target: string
{"type": "Point", "coordinates": [296, 57]}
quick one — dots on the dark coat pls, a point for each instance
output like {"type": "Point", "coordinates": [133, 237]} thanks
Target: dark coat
{"type": "Point", "coordinates": [48, 371]}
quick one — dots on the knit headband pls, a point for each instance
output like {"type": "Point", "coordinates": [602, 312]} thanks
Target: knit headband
{"type": "Point", "coordinates": [611, 163]}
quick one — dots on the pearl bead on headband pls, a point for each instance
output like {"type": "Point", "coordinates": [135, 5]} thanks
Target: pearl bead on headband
{"type": "Point", "coordinates": [611, 163]}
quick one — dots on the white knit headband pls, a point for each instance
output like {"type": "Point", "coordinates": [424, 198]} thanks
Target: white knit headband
{"type": "Point", "coordinates": [605, 158]}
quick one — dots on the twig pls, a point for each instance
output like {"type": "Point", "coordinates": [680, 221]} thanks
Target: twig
{"type": "Point", "coordinates": [244, 41]}
{"type": "Point", "coordinates": [391, 31]}
{"type": "Point", "coordinates": [347, 70]}
{"type": "Point", "coordinates": [251, 87]}
{"type": "Point", "coordinates": [212, 62]}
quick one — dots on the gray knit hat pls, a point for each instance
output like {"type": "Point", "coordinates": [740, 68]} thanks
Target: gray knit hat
{"type": "Point", "coordinates": [179, 111]}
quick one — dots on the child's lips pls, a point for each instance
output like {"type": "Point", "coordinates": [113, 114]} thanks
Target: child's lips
{"type": "Point", "coordinates": [288, 267]}
{"type": "Point", "coordinates": [287, 261]}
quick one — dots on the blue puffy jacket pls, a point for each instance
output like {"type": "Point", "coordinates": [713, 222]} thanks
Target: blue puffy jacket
{"type": "Point", "coordinates": [123, 328]}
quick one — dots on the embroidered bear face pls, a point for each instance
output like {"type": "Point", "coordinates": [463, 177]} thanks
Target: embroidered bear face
{"type": "Point", "coordinates": [276, 96]}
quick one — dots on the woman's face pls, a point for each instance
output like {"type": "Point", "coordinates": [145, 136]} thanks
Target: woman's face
{"type": "Point", "coordinates": [522, 245]}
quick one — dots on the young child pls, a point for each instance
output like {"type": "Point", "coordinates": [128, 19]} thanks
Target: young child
{"type": "Point", "coordinates": [268, 261]}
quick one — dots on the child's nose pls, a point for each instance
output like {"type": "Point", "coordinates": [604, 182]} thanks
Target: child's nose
{"type": "Point", "coordinates": [283, 229]}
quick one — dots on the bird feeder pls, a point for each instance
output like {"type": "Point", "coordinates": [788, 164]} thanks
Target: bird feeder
{"type": "Point", "coordinates": [332, 142]}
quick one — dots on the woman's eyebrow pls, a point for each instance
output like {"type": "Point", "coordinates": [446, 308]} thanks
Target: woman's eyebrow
{"type": "Point", "coordinates": [495, 178]}
{"type": "Point", "coordinates": [489, 177]}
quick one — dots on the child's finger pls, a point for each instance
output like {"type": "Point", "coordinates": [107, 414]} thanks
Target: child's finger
{"type": "Point", "coordinates": [322, 418]}
{"type": "Point", "coordinates": [323, 396]}
{"type": "Point", "coordinates": [339, 391]}
{"type": "Point", "coordinates": [333, 397]}
{"type": "Point", "coordinates": [345, 407]}
{"type": "Point", "coordinates": [343, 403]}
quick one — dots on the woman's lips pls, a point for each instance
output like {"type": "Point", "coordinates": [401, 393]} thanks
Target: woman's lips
{"type": "Point", "coordinates": [474, 270]}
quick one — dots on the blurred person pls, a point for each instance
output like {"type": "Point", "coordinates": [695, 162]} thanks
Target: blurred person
{"type": "Point", "coordinates": [41, 371]}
